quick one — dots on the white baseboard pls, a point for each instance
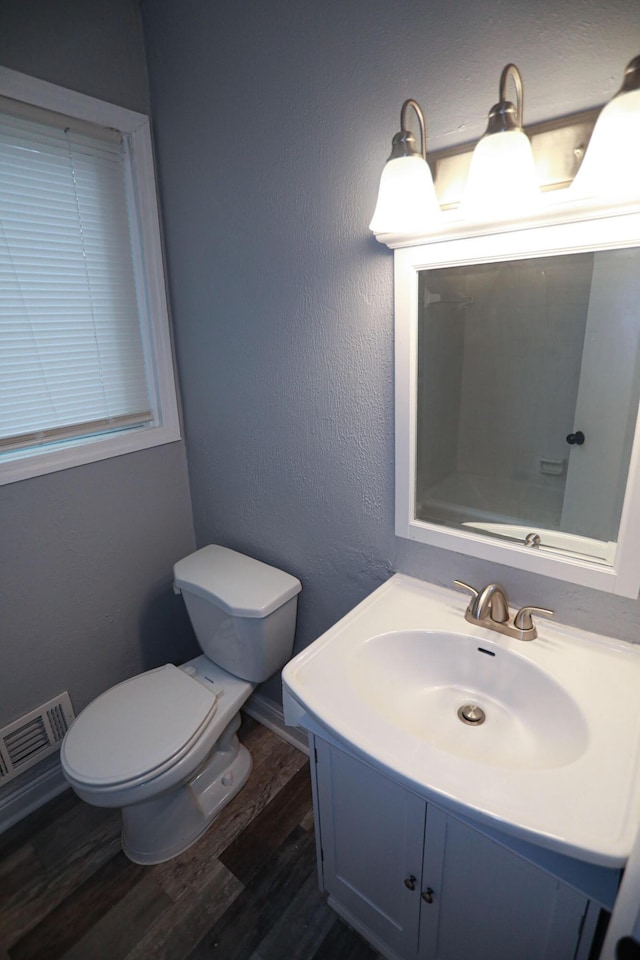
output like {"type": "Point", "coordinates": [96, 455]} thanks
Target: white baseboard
{"type": "Point", "coordinates": [30, 791]}
{"type": "Point", "coordinates": [270, 715]}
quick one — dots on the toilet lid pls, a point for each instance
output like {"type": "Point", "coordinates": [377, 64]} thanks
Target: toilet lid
{"type": "Point", "coordinates": [138, 727]}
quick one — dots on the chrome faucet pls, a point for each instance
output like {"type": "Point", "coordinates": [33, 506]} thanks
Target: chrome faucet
{"type": "Point", "coordinates": [490, 608]}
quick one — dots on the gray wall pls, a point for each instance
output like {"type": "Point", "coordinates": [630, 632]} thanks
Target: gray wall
{"type": "Point", "coordinates": [96, 48]}
{"type": "Point", "coordinates": [273, 121]}
{"type": "Point", "coordinates": [86, 554]}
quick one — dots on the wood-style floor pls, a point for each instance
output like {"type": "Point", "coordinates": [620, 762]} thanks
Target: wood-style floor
{"type": "Point", "coordinates": [247, 890]}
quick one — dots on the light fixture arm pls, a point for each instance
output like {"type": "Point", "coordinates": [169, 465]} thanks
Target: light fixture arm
{"type": "Point", "coordinates": [503, 115]}
{"type": "Point", "coordinates": [512, 71]}
{"type": "Point", "coordinates": [631, 79]}
{"type": "Point", "coordinates": [404, 142]}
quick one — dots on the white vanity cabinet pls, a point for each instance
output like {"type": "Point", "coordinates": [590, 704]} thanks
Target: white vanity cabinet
{"type": "Point", "coordinates": [420, 883]}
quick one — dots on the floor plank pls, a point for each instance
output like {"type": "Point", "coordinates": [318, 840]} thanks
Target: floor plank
{"type": "Point", "coordinates": [246, 890]}
{"type": "Point", "coordinates": [183, 925]}
{"type": "Point", "coordinates": [76, 915]}
{"type": "Point", "coordinates": [25, 829]}
{"type": "Point", "coordinates": [263, 901]}
{"type": "Point", "coordinates": [266, 832]}
{"type": "Point", "coordinates": [17, 871]}
{"type": "Point", "coordinates": [300, 929]}
{"type": "Point", "coordinates": [76, 827]}
{"type": "Point", "coordinates": [342, 943]}
{"type": "Point", "coordinates": [117, 932]}
{"type": "Point", "coordinates": [52, 884]}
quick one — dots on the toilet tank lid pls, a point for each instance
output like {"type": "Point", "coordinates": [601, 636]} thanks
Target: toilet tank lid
{"type": "Point", "coordinates": [238, 584]}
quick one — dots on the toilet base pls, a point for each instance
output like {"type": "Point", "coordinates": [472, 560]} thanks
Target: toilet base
{"type": "Point", "coordinates": [158, 829]}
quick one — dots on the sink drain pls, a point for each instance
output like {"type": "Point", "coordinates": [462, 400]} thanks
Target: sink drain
{"type": "Point", "coordinates": [472, 714]}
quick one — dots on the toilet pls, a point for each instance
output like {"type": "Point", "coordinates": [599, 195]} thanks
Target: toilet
{"type": "Point", "coordinates": [163, 745]}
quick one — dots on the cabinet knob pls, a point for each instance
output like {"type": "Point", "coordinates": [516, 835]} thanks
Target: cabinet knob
{"type": "Point", "coordinates": [410, 882]}
{"type": "Point", "coordinates": [427, 895]}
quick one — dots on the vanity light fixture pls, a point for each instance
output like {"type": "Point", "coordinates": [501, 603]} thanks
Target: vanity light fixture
{"type": "Point", "coordinates": [502, 179]}
{"type": "Point", "coordinates": [497, 179]}
{"type": "Point", "coordinates": [611, 165]}
{"type": "Point", "coordinates": [407, 202]}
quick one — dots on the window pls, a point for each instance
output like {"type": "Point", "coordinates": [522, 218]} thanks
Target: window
{"type": "Point", "coordinates": [85, 358]}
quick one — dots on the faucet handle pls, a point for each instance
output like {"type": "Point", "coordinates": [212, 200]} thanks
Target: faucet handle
{"type": "Point", "coordinates": [523, 620]}
{"type": "Point", "coordinates": [466, 586]}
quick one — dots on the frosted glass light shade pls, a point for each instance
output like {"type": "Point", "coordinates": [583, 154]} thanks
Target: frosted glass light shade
{"type": "Point", "coordinates": [407, 201]}
{"type": "Point", "coordinates": [611, 166]}
{"type": "Point", "coordinates": [501, 183]}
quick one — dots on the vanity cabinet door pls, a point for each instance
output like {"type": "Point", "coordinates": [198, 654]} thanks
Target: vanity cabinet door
{"type": "Point", "coordinates": [371, 839]}
{"type": "Point", "coordinates": [420, 884]}
{"type": "Point", "coordinates": [490, 903]}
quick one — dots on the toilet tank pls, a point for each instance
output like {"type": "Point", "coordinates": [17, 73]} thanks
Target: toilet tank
{"type": "Point", "coordinates": [243, 611]}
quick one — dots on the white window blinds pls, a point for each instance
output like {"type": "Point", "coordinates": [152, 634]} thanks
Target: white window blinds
{"type": "Point", "coordinates": [72, 358]}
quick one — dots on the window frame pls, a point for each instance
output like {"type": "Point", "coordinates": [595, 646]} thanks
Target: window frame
{"type": "Point", "coordinates": [148, 265]}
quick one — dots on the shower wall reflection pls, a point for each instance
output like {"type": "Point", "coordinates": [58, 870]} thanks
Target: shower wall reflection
{"type": "Point", "coordinates": [513, 358]}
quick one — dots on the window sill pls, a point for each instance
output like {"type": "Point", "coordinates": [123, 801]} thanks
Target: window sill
{"type": "Point", "coordinates": [91, 450]}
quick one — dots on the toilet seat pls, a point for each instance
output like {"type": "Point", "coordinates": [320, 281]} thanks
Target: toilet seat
{"type": "Point", "coordinates": [138, 729]}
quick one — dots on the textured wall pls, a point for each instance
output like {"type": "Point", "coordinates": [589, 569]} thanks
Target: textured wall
{"type": "Point", "coordinates": [86, 554]}
{"type": "Point", "coordinates": [95, 48]}
{"type": "Point", "coordinates": [273, 122]}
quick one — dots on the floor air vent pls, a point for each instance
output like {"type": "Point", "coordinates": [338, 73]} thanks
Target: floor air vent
{"type": "Point", "coordinates": [34, 736]}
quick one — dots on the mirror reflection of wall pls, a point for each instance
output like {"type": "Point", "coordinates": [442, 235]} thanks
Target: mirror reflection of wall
{"type": "Point", "coordinates": [513, 358]}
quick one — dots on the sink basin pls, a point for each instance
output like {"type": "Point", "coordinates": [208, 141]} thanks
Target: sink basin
{"type": "Point", "coordinates": [419, 680]}
{"type": "Point", "coordinates": [556, 760]}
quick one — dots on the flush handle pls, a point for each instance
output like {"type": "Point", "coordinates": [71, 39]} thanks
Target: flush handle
{"type": "Point", "coordinates": [410, 882]}
{"type": "Point", "coordinates": [427, 895]}
{"type": "Point", "coordinates": [576, 438]}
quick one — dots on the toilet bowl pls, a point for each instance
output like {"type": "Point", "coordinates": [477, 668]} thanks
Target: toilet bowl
{"type": "Point", "coordinates": [163, 745]}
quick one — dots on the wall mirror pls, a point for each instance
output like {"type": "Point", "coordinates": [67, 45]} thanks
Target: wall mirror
{"type": "Point", "coordinates": [517, 394]}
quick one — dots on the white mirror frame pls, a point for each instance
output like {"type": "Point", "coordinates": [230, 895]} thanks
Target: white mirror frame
{"type": "Point", "coordinates": [567, 230]}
